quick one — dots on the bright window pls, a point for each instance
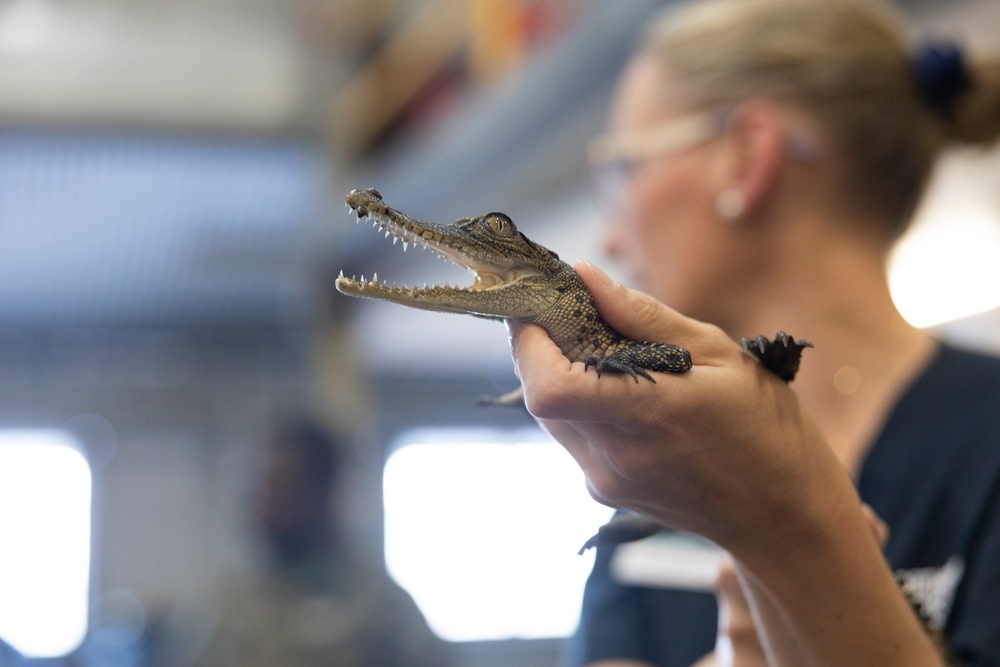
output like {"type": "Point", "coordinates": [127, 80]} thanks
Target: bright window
{"type": "Point", "coordinates": [45, 532]}
{"type": "Point", "coordinates": [483, 528]}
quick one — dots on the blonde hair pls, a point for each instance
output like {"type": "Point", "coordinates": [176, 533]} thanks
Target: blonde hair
{"type": "Point", "coordinates": [848, 65]}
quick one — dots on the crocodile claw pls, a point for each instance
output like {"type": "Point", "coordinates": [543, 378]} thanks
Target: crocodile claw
{"type": "Point", "coordinates": [781, 356]}
{"type": "Point", "coordinates": [640, 357]}
{"type": "Point", "coordinates": [614, 363]}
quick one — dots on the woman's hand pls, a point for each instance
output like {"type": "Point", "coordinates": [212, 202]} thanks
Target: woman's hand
{"type": "Point", "coordinates": [717, 450]}
{"type": "Point", "coordinates": [727, 451]}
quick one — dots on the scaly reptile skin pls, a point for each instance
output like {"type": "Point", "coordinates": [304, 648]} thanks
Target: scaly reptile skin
{"type": "Point", "coordinates": [514, 278]}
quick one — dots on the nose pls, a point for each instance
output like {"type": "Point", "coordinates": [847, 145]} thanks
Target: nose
{"type": "Point", "coordinates": [613, 241]}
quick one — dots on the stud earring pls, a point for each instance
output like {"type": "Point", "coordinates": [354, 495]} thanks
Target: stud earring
{"type": "Point", "coordinates": [730, 204]}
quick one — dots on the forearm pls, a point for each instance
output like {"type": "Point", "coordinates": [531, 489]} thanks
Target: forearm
{"type": "Point", "coordinates": [828, 598]}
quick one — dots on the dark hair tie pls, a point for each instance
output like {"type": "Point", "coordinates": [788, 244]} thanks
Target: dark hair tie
{"type": "Point", "coordinates": [941, 76]}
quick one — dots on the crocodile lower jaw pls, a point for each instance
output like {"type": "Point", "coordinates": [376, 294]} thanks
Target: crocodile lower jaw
{"type": "Point", "coordinates": [381, 290]}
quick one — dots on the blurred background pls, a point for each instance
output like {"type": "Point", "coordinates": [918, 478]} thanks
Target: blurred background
{"type": "Point", "coordinates": [172, 179]}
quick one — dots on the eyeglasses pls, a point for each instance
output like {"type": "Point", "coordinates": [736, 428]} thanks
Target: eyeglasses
{"type": "Point", "coordinates": [613, 157]}
{"type": "Point", "coordinates": [615, 151]}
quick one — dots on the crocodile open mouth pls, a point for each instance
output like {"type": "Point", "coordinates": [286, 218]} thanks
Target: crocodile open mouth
{"type": "Point", "coordinates": [425, 235]}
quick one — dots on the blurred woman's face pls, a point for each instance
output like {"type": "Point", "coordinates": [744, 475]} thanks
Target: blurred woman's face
{"type": "Point", "coordinates": [664, 228]}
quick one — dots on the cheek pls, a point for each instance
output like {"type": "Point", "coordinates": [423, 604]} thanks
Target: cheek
{"type": "Point", "coordinates": [667, 227]}
{"type": "Point", "coordinates": [646, 218]}
{"type": "Point", "coordinates": [685, 256]}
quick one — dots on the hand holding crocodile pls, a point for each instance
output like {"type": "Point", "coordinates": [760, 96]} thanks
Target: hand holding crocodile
{"type": "Point", "coordinates": [728, 424]}
{"type": "Point", "coordinates": [728, 451]}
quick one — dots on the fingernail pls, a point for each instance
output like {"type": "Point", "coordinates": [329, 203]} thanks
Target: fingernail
{"type": "Point", "coordinates": [600, 276]}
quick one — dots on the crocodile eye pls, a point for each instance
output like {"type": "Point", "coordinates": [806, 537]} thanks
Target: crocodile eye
{"type": "Point", "coordinates": [500, 224]}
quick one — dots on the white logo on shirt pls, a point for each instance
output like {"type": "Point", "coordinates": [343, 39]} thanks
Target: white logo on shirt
{"type": "Point", "coordinates": [933, 588]}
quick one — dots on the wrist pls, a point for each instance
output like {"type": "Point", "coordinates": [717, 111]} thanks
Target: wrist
{"type": "Point", "coordinates": [825, 595]}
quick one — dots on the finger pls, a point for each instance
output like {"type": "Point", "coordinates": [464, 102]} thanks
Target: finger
{"type": "Point", "coordinates": [551, 388]}
{"type": "Point", "coordinates": [728, 587]}
{"type": "Point", "coordinates": [737, 624]}
{"type": "Point", "coordinates": [586, 444]}
{"type": "Point", "coordinates": [534, 353]}
{"type": "Point", "coordinates": [555, 388]}
{"type": "Point", "coordinates": [638, 315]}
{"type": "Point", "coordinates": [879, 528]}
{"type": "Point", "coordinates": [574, 442]}
{"type": "Point", "coordinates": [707, 661]}
{"type": "Point", "coordinates": [587, 457]}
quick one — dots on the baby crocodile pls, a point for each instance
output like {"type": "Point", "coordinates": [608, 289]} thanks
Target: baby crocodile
{"type": "Point", "coordinates": [514, 278]}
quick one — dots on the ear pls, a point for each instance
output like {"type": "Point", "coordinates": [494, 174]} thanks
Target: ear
{"type": "Point", "coordinates": [754, 152]}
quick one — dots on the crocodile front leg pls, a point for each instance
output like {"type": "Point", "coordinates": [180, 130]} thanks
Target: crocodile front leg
{"type": "Point", "coordinates": [638, 358]}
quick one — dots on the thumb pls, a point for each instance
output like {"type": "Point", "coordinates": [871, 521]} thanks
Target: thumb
{"type": "Point", "coordinates": [879, 528]}
{"type": "Point", "coordinates": [635, 314]}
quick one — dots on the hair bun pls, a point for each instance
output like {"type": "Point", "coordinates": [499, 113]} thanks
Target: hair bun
{"type": "Point", "coordinates": [941, 76]}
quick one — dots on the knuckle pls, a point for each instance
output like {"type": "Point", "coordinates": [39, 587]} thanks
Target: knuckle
{"type": "Point", "coordinates": [743, 634]}
{"type": "Point", "coordinates": [545, 398]}
{"type": "Point", "coordinates": [606, 490]}
{"type": "Point", "coordinates": [647, 310]}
